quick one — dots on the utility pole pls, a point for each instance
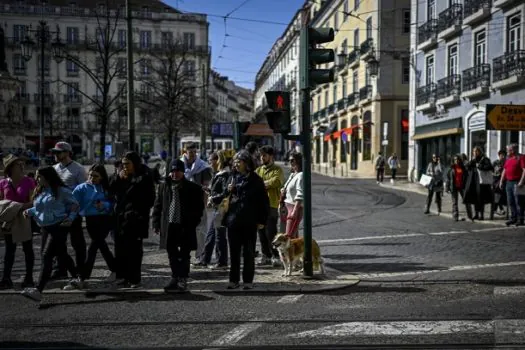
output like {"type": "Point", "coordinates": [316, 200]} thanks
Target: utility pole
{"type": "Point", "coordinates": [130, 85]}
{"type": "Point", "coordinates": [204, 114]}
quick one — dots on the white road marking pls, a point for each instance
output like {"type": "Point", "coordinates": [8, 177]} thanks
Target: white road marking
{"type": "Point", "coordinates": [407, 235]}
{"type": "Point", "coordinates": [237, 334]}
{"type": "Point", "coordinates": [337, 215]}
{"type": "Point", "coordinates": [290, 299]}
{"type": "Point", "coordinates": [404, 328]}
{"type": "Point", "coordinates": [509, 290]}
{"type": "Point", "coordinates": [449, 269]}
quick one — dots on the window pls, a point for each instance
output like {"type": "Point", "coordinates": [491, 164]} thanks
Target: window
{"type": "Point", "coordinates": [344, 47]}
{"type": "Point", "coordinates": [19, 32]}
{"type": "Point", "coordinates": [72, 89]}
{"type": "Point", "coordinates": [346, 11]}
{"type": "Point", "coordinates": [101, 36]}
{"type": "Point", "coordinates": [189, 69]}
{"type": "Point", "coordinates": [22, 88]}
{"type": "Point", "coordinates": [356, 39]}
{"type": "Point", "coordinates": [452, 60]}
{"type": "Point", "coordinates": [369, 28]}
{"type": "Point", "coordinates": [336, 20]}
{"type": "Point", "coordinates": [355, 81]}
{"type": "Point", "coordinates": [99, 67]}
{"type": "Point", "coordinates": [146, 11]}
{"type": "Point", "coordinates": [19, 64]}
{"type": "Point", "coordinates": [430, 70]}
{"type": "Point", "coordinates": [356, 4]}
{"type": "Point", "coordinates": [189, 40]}
{"type": "Point", "coordinates": [166, 38]}
{"type": "Point", "coordinates": [480, 48]}
{"type": "Point", "coordinates": [514, 33]}
{"type": "Point", "coordinates": [404, 134]}
{"type": "Point", "coordinates": [47, 87]}
{"type": "Point", "coordinates": [47, 64]}
{"type": "Point", "coordinates": [72, 35]}
{"type": "Point", "coordinates": [71, 68]}
{"type": "Point", "coordinates": [334, 92]}
{"type": "Point", "coordinates": [406, 21]}
{"type": "Point", "coordinates": [122, 38]}
{"type": "Point", "coordinates": [405, 70]}
{"type": "Point", "coordinates": [122, 65]}
{"type": "Point", "coordinates": [431, 10]}
{"type": "Point", "coordinates": [123, 89]}
{"type": "Point", "coordinates": [319, 102]}
{"type": "Point", "coordinates": [145, 65]}
{"type": "Point", "coordinates": [343, 86]}
{"type": "Point", "coordinates": [367, 76]}
{"type": "Point", "coordinates": [326, 99]}
{"type": "Point", "coordinates": [145, 39]}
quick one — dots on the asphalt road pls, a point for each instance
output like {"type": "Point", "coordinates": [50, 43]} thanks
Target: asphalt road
{"type": "Point", "coordinates": [426, 281]}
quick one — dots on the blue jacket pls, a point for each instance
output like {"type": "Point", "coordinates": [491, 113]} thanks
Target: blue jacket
{"type": "Point", "coordinates": [48, 210]}
{"type": "Point", "coordinates": [88, 195]}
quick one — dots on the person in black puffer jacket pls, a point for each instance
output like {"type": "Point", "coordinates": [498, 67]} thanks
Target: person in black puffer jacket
{"type": "Point", "coordinates": [134, 192]}
{"type": "Point", "coordinates": [248, 211]}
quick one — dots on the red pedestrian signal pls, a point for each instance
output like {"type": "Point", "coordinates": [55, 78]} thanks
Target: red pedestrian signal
{"type": "Point", "coordinates": [280, 102]}
{"type": "Point", "coordinates": [279, 117]}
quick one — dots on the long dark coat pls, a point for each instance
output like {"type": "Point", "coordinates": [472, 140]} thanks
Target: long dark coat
{"type": "Point", "coordinates": [134, 198]}
{"type": "Point", "coordinates": [475, 193]}
{"type": "Point", "coordinates": [192, 207]}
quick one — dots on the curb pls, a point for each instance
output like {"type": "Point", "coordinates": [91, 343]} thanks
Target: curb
{"type": "Point", "coordinates": [433, 211]}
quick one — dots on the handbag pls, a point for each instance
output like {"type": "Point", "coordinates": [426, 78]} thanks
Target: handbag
{"type": "Point", "coordinates": [425, 180]}
{"type": "Point", "coordinates": [485, 177]}
{"type": "Point", "coordinates": [222, 209]}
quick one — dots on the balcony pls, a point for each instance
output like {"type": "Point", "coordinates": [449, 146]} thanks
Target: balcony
{"type": "Point", "coordinates": [72, 73]}
{"type": "Point", "coordinates": [331, 109]}
{"type": "Point", "coordinates": [366, 48]}
{"type": "Point", "coordinates": [353, 58]}
{"type": "Point", "coordinates": [316, 116]}
{"type": "Point", "coordinates": [504, 3]}
{"type": "Point", "coordinates": [351, 100]}
{"type": "Point", "coordinates": [509, 70]}
{"type": "Point", "coordinates": [426, 97]}
{"type": "Point", "coordinates": [449, 21]}
{"type": "Point", "coordinates": [20, 71]}
{"type": "Point", "coordinates": [23, 98]}
{"type": "Point", "coordinates": [427, 35]}
{"type": "Point", "coordinates": [476, 81]}
{"type": "Point", "coordinates": [476, 10]}
{"type": "Point", "coordinates": [48, 99]}
{"type": "Point", "coordinates": [72, 99]}
{"type": "Point", "coordinates": [449, 90]}
{"type": "Point", "coordinates": [341, 104]}
{"type": "Point", "coordinates": [322, 113]}
{"type": "Point", "coordinates": [365, 94]}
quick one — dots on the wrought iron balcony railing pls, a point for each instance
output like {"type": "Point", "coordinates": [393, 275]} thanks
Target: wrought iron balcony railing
{"type": "Point", "coordinates": [331, 109]}
{"type": "Point", "coordinates": [353, 56]}
{"type": "Point", "coordinates": [48, 99]}
{"type": "Point", "coordinates": [365, 93]}
{"type": "Point", "coordinates": [428, 30]}
{"type": "Point", "coordinates": [426, 94]}
{"type": "Point", "coordinates": [472, 6]}
{"type": "Point", "coordinates": [366, 46]}
{"type": "Point", "coordinates": [508, 65]}
{"type": "Point", "coordinates": [341, 104]}
{"type": "Point", "coordinates": [449, 86]}
{"type": "Point", "coordinates": [476, 77]}
{"type": "Point", "coordinates": [450, 17]}
{"type": "Point", "coordinates": [71, 98]}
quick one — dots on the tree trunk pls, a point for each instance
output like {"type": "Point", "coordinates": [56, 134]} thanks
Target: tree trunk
{"type": "Point", "coordinates": [176, 139]}
{"type": "Point", "coordinates": [103, 130]}
{"type": "Point", "coordinates": [170, 143]}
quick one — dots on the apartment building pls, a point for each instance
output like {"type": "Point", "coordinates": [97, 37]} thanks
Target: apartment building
{"type": "Point", "coordinates": [68, 110]}
{"type": "Point", "coordinates": [280, 71]}
{"type": "Point", "coordinates": [467, 54]}
{"type": "Point", "coordinates": [228, 101]}
{"type": "Point", "coordinates": [365, 110]}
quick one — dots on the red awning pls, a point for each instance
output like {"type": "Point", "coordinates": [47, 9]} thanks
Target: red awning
{"type": "Point", "coordinates": [259, 130]}
{"type": "Point", "coordinates": [337, 134]}
{"type": "Point", "coordinates": [327, 137]}
{"type": "Point", "coordinates": [404, 125]}
{"type": "Point", "coordinates": [347, 131]}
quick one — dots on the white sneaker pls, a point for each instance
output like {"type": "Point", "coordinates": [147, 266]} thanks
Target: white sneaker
{"type": "Point", "coordinates": [112, 277]}
{"type": "Point", "coordinates": [32, 293]}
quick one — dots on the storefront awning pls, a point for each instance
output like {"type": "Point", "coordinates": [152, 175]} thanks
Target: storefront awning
{"type": "Point", "coordinates": [259, 130]}
{"type": "Point", "coordinates": [437, 133]}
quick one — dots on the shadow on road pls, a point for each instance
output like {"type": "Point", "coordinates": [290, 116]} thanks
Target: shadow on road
{"type": "Point", "coordinates": [381, 267]}
{"type": "Point", "coordinates": [44, 345]}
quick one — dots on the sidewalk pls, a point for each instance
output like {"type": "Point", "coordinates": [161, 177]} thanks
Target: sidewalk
{"type": "Point", "coordinates": [156, 274]}
{"type": "Point", "coordinates": [404, 185]}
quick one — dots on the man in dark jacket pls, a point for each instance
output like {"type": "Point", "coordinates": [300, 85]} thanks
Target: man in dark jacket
{"type": "Point", "coordinates": [177, 212]}
{"type": "Point", "coordinates": [134, 193]}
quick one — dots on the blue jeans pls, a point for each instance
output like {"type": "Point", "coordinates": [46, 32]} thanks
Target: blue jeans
{"type": "Point", "coordinates": [215, 238]}
{"type": "Point", "coordinates": [512, 199]}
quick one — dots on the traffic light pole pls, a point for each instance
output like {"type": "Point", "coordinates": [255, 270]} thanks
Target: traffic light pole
{"type": "Point", "coordinates": [307, 184]}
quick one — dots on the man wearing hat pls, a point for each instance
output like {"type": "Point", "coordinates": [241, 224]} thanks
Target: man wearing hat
{"type": "Point", "coordinates": [176, 214]}
{"type": "Point", "coordinates": [73, 174]}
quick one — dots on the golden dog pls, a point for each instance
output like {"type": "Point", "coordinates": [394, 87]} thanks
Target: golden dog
{"type": "Point", "coordinates": [291, 251]}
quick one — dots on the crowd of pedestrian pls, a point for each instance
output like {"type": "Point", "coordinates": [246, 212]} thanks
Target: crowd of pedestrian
{"type": "Point", "coordinates": [219, 207]}
{"type": "Point", "coordinates": [479, 183]}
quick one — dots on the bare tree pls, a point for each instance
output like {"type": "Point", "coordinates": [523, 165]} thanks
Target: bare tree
{"type": "Point", "coordinates": [100, 59]}
{"type": "Point", "coordinates": [169, 88]}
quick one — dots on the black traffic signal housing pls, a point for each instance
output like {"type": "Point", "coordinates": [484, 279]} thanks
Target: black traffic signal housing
{"type": "Point", "coordinates": [311, 56]}
{"type": "Point", "coordinates": [279, 118]}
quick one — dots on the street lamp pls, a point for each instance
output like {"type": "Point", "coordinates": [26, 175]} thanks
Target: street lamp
{"type": "Point", "coordinates": [43, 36]}
{"type": "Point", "coordinates": [373, 67]}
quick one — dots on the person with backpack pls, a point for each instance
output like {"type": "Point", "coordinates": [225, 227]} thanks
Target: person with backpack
{"type": "Point", "coordinates": [380, 167]}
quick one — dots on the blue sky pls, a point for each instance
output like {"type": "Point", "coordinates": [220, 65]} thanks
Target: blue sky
{"type": "Point", "coordinates": [247, 43]}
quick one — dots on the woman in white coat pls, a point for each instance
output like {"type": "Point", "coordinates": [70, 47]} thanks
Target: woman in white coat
{"type": "Point", "coordinates": [291, 206]}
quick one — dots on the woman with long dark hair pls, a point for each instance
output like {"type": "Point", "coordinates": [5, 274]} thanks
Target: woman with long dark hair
{"type": "Point", "coordinates": [54, 209]}
{"type": "Point", "coordinates": [97, 207]}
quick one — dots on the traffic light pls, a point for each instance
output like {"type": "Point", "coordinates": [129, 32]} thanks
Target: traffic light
{"type": "Point", "coordinates": [279, 118]}
{"type": "Point", "coordinates": [310, 56]}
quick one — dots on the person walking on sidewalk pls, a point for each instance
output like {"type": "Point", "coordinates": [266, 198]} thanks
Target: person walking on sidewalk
{"type": "Point", "coordinates": [478, 188]}
{"type": "Point", "coordinates": [380, 167]}
{"type": "Point", "coordinates": [97, 207]}
{"type": "Point", "coordinates": [134, 192]}
{"type": "Point", "coordinates": [393, 163]}
{"type": "Point", "coordinates": [247, 212]}
{"type": "Point", "coordinates": [17, 188]}
{"type": "Point", "coordinates": [72, 174]}
{"type": "Point", "coordinates": [176, 214]}
{"type": "Point", "coordinates": [216, 237]}
{"type": "Point", "coordinates": [273, 178]}
{"type": "Point", "coordinates": [500, 197]}
{"type": "Point", "coordinates": [292, 194]}
{"type": "Point", "coordinates": [54, 209]}
{"type": "Point", "coordinates": [435, 171]}
{"type": "Point", "coordinates": [513, 178]}
{"type": "Point", "coordinates": [456, 179]}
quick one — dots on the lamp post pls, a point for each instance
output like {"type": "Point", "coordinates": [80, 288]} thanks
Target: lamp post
{"type": "Point", "coordinates": [43, 36]}
{"type": "Point", "coordinates": [8, 84]}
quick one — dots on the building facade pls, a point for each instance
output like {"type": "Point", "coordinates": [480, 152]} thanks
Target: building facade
{"type": "Point", "coordinates": [70, 90]}
{"type": "Point", "coordinates": [363, 112]}
{"type": "Point", "coordinates": [467, 54]}
{"type": "Point", "coordinates": [228, 101]}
